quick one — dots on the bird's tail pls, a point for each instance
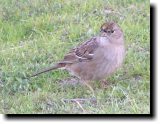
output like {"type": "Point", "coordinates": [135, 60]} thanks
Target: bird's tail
{"type": "Point", "coordinates": [56, 66]}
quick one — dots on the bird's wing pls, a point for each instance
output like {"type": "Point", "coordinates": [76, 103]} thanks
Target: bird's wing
{"type": "Point", "coordinates": [84, 52]}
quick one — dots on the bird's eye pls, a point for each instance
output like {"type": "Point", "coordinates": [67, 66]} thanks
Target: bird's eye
{"type": "Point", "coordinates": [112, 31]}
{"type": "Point", "coordinates": [108, 31]}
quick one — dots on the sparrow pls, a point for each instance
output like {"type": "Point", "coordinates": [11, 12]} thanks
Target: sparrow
{"type": "Point", "coordinates": [96, 58]}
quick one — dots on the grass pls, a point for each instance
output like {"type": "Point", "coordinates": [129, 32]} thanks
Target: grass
{"type": "Point", "coordinates": [37, 33]}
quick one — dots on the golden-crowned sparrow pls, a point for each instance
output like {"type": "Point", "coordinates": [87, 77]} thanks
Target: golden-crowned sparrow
{"type": "Point", "coordinates": [96, 58]}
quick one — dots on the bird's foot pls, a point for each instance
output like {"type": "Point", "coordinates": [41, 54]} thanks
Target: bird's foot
{"type": "Point", "coordinates": [90, 88]}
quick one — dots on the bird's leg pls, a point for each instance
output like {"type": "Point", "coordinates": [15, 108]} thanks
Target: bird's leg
{"type": "Point", "coordinates": [87, 83]}
{"type": "Point", "coordinates": [92, 99]}
{"type": "Point", "coordinates": [104, 83]}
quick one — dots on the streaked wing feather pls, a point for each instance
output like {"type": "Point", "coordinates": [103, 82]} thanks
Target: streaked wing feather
{"type": "Point", "coordinates": [84, 52]}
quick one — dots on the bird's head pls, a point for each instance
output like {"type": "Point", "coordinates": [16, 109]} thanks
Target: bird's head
{"type": "Point", "coordinates": [111, 30]}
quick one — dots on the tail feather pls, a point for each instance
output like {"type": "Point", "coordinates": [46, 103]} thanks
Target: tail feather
{"type": "Point", "coordinates": [56, 66]}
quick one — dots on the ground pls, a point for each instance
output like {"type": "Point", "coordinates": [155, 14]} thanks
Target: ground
{"type": "Point", "coordinates": [37, 33]}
